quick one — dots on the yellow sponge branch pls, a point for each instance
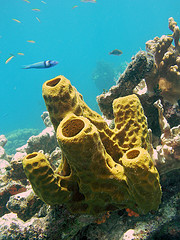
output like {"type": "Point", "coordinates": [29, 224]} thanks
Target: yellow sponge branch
{"type": "Point", "coordinates": [137, 162]}
{"type": "Point", "coordinates": [45, 183]}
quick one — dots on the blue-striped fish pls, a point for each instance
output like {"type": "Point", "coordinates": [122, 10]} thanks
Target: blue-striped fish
{"type": "Point", "coordinates": [44, 64]}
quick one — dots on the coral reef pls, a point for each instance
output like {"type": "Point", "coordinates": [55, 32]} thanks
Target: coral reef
{"type": "Point", "coordinates": [45, 141]}
{"type": "Point", "coordinates": [12, 188]}
{"type": "Point", "coordinates": [166, 73]}
{"type": "Point", "coordinates": [102, 169]}
{"type": "Point", "coordinates": [17, 172]}
{"type": "Point", "coordinates": [17, 138]}
{"type": "Point", "coordinates": [25, 204]}
{"type": "Point", "coordinates": [176, 33]}
{"type": "Point", "coordinates": [12, 176]}
{"type": "Point", "coordinates": [172, 113]}
{"type": "Point", "coordinates": [167, 155]}
{"type": "Point", "coordinates": [57, 223]}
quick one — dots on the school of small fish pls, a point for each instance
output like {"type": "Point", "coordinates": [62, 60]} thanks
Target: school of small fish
{"type": "Point", "coordinates": [32, 41]}
{"type": "Point", "coordinates": [29, 41]}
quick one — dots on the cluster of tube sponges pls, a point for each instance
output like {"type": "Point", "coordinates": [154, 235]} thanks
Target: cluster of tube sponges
{"type": "Point", "coordinates": [102, 169]}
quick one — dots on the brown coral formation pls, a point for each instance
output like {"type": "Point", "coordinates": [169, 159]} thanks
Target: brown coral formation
{"type": "Point", "coordinates": [166, 74]}
{"type": "Point", "coordinates": [102, 169]}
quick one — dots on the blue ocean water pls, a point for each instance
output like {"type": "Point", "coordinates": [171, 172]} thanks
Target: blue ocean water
{"type": "Point", "coordinates": [78, 38]}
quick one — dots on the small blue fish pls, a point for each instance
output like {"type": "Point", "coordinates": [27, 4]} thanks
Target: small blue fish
{"type": "Point", "coordinates": [45, 64]}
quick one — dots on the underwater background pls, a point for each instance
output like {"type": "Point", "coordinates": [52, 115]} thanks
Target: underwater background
{"type": "Point", "coordinates": [91, 178]}
{"type": "Point", "coordinates": [79, 35]}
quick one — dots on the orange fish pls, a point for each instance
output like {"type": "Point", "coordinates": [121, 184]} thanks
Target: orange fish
{"type": "Point", "coordinates": [74, 7]}
{"type": "Point", "coordinates": [16, 20]}
{"type": "Point", "coordinates": [31, 41]}
{"type": "Point", "coordinates": [9, 59]}
{"type": "Point", "coordinates": [20, 53]}
{"type": "Point", "coordinates": [131, 213]}
{"type": "Point", "coordinates": [36, 9]}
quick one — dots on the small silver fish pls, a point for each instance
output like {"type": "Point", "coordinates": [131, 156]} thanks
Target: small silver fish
{"type": "Point", "coordinates": [116, 52]}
{"type": "Point", "coordinates": [44, 64]}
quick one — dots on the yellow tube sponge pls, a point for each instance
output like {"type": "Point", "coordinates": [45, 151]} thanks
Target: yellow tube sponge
{"type": "Point", "coordinates": [61, 98]}
{"type": "Point", "coordinates": [102, 169]}
{"type": "Point", "coordinates": [142, 179]}
{"type": "Point", "coordinates": [130, 123]}
{"type": "Point", "coordinates": [45, 183]}
{"type": "Point", "coordinates": [100, 179]}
